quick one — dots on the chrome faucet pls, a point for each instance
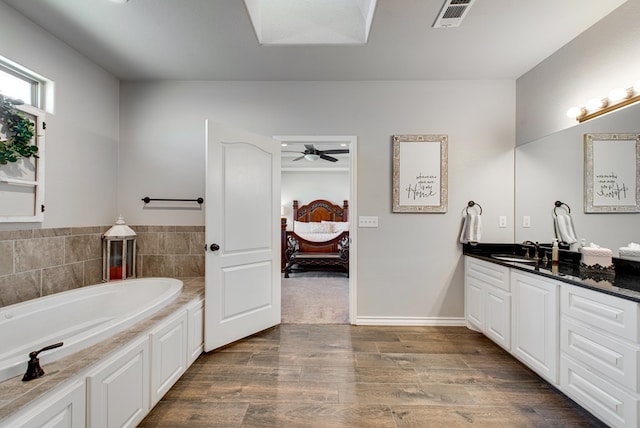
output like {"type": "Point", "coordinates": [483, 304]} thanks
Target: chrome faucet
{"type": "Point", "coordinates": [33, 366]}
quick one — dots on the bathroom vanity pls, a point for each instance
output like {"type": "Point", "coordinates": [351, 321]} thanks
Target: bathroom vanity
{"type": "Point", "coordinates": [576, 328]}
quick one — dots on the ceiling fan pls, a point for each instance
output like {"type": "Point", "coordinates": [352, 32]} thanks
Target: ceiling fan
{"type": "Point", "coordinates": [312, 154]}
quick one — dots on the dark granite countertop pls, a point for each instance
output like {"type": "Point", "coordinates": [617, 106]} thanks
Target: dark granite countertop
{"type": "Point", "coordinates": [621, 281]}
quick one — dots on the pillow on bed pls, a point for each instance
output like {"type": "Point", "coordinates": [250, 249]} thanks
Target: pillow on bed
{"type": "Point", "coordinates": [301, 227]}
{"type": "Point", "coordinates": [338, 226]}
{"type": "Point", "coordinates": [321, 227]}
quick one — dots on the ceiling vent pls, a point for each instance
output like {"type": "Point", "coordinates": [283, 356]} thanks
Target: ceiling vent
{"type": "Point", "coordinates": [452, 13]}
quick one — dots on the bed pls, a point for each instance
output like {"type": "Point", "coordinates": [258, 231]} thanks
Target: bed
{"type": "Point", "coordinates": [319, 239]}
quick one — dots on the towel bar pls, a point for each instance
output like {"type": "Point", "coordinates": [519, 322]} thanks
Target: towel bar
{"type": "Point", "coordinates": [147, 199]}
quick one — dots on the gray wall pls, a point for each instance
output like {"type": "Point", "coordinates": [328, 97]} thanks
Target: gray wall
{"type": "Point", "coordinates": [82, 126]}
{"type": "Point", "coordinates": [411, 266]}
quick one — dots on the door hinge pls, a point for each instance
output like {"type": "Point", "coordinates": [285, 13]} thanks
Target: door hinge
{"type": "Point", "coordinates": [42, 208]}
{"type": "Point", "coordinates": [44, 125]}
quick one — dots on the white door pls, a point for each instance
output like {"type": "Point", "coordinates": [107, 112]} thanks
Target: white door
{"type": "Point", "coordinates": [242, 269]}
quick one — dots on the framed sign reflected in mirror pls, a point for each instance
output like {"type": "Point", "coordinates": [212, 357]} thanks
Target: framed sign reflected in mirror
{"type": "Point", "coordinates": [611, 173]}
{"type": "Point", "coordinates": [420, 174]}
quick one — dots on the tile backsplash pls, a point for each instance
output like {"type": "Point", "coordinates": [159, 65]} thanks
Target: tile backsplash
{"type": "Point", "coordinates": [39, 262]}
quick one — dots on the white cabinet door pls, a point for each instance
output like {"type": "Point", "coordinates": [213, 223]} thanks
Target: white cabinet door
{"type": "Point", "coordinates": [118, 389]}
{"type": "Point", "coordinates": [473, 303]}
{"type": "Point", "coordinates": [497, 316]}
{"type": "Point", "coordinates": [488, 300]}
{"type": "Point", "coordinates": [535, 325]}
{"type": "Point", "coordinates": [168, 355]}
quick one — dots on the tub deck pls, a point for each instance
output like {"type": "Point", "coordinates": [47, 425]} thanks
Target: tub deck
{"type": "Point", "coordinates": [16, 394]}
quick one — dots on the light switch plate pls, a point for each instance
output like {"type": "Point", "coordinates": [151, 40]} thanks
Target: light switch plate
{"type": "Point", "coordinates": [526, 221]}
{"type": "Point", "coordinates": [368, 221]}
{"type": "Point", "coordinates": [502, 222]}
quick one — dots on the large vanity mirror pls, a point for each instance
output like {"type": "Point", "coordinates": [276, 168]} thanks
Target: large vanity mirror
{"type": "Point", "coordinates": [552, 169]}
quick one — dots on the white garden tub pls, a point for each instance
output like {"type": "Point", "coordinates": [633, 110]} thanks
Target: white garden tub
{"type": "Point", "coordinates": [79, 318]}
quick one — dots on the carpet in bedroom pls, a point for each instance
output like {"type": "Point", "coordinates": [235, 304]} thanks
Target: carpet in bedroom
{"type": "Point", "coordinates": [315, 298]}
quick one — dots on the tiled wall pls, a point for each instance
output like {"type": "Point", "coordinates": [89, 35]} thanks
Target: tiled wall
{"type": "Point", "coordinates": [173, 251]}
{"type": "Point", "coordinates": [39, 262]}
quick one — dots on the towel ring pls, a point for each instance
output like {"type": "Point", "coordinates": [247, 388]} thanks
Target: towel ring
{"type": "Point", "coordinates": [558, 204]}
{"type": "Point", "coordinates": [471, 204]}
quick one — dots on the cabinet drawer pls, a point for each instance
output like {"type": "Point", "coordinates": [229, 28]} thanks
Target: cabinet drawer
{"type": "Point", "coordinates": [609, 313]}
{"type": "Point", "coordinates": [488, 273]}
{"type": "Point", "coordinates": [611, 404]}
{"type": "Point", "coordinates": [611, 357]}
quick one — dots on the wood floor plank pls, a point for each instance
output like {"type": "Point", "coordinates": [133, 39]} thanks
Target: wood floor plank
{"type": "Point", "coordinates": [318, 416]}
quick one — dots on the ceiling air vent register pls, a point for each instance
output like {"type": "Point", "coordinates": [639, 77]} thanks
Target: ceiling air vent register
{"type": "Point", "coordinates": [452, 13]}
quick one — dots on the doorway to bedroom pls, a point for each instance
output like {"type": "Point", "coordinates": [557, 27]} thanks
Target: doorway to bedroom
{"type": "Point", "coordinates": [319, 168]}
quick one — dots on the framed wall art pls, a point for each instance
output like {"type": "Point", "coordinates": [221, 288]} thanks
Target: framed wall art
{"type": "Point", "coordinates": [611, 168]}
{"type": "Point", "coordinates": [420, 173]}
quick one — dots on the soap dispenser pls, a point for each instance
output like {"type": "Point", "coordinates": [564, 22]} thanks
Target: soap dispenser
{"type": "Point", "coordinates": [554, 253]}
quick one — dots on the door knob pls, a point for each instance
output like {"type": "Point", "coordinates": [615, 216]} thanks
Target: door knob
{"type": "Point", "coordinates": [214, 247]}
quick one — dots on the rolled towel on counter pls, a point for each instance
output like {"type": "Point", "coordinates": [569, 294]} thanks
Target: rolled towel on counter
{"type": "Point", "coordinates": [471, 228]}
{"type": "Point", "coordinates": [630, 251]}
{"type": "Point", "coordinates": [564, 228]}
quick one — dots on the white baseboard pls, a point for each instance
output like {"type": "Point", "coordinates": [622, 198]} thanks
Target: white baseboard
{"type": "Point", "coordinates": [412, 321]}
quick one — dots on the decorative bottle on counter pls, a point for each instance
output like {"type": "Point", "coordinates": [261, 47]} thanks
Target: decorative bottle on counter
{"type": "Point", "coordinates": [554, 253]}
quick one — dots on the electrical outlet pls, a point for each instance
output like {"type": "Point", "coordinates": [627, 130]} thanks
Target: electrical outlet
{"type": "Point", "coordinates": [368, 221]}
{"type": "Point", "coordinates": [526, 221]}
{"type": "Point", "coordinates": [502, 222]}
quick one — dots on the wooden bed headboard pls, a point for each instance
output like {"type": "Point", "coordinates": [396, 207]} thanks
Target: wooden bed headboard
{"type": "Point", "coordinates": [319, 210]}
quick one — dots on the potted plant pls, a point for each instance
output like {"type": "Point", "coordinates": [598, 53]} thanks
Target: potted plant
{"type": "Point", "coordinates": [16, 132]}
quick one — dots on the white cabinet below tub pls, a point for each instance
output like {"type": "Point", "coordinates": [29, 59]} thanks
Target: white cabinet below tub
{"type": "Point", "coordinates": [600, 354]}
{"type": "Point", "coordinates": [535, 323]}
{"type": "Point", "coordinates": [488, 300]}
{"type": "Point", "coordinates": [168, 354]}
{"type": "Point", "coordinates": [63, 409]}
{"type": "Point", "coordinates": [195, 342]}
{"type": "Point", "coordinates": [118, 389]}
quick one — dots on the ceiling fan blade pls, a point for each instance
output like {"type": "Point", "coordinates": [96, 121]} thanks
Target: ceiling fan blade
{"type": "Point", "coordinates": [297, 159]}
{"type": "Point", "coordinates": [334, 151]}
{"type": "Point", "coordinates": [310, 148]}
{"type": "Point", "coordinates": [328, 158]}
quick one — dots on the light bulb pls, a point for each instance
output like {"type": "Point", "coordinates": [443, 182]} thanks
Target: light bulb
{"type": "Point", "coordinates": [595, 104]}
{"type": "Point", "coordinates": [618, 94]}
{"type": "Point", "coordinates": [576, 112]}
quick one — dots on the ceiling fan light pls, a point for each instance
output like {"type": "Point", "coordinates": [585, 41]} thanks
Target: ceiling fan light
{"type": "Point", "coordinates": [311, 157]}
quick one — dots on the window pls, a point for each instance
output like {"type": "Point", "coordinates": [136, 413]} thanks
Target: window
{"type": "Point", "coordinates": [17, 84]}
{"type": "Point", "coordinates": [22, 182]}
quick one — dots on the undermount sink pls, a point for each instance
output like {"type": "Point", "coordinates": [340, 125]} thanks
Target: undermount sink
{"type": "Point", "coordinates": [513, 258]}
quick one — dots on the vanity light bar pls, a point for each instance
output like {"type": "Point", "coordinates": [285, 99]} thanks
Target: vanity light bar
{"type": "Point", "coordinates": [616, 99]}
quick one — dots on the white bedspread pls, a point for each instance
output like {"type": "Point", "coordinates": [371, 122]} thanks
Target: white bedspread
{"type": "Point", "coordinates": [318, 237]}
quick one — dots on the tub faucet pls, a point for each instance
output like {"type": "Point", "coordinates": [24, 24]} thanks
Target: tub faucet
{"type": "Point", "coordinates": [33, 366]}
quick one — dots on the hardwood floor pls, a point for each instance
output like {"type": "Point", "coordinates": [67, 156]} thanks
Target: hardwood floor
{"type": "Point", "coordinates": [305, 375]}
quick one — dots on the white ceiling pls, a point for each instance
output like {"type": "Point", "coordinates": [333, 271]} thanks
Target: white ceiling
{"type": "Point", "coordinates": [214, 39]}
